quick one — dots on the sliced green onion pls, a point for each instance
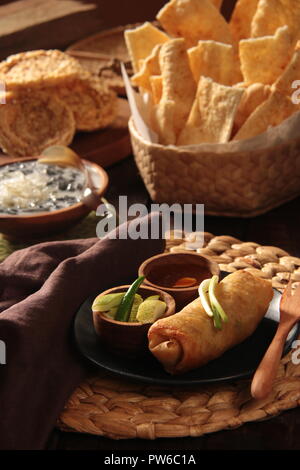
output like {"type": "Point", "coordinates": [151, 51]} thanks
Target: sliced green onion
{"type": "Point", "coordinates": [213, 299]}
{"type": "Point", "coordinates": [125, 306]}
{"type": "Point", "coordinates": [210, 302]}
{"type": "Point", "coordinates": [203, 293]}
{"type": "Point", "coordinates": [217, 319]}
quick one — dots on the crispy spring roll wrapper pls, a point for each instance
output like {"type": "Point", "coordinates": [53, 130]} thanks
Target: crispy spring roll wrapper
{"type": "Point", "coordinates": [188, 339]}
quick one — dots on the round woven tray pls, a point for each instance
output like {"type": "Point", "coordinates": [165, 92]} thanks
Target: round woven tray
{"type": "Point", "coordinates": [119, 409]}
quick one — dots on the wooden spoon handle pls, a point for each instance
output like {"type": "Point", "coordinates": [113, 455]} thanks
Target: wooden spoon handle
{"type": "Point", "coordinates": [266, 372]}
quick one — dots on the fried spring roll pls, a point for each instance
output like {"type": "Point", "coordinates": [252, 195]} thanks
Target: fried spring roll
{"type": "Point", "coordinates": [188, 339]}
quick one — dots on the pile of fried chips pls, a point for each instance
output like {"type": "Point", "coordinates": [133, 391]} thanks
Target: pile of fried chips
{"type": "Point", "coordinates": [49, 96]}
{"type": "Point", "coordinates": [213, 81]}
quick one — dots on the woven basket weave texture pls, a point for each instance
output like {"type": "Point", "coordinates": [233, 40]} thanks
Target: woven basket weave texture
{"type": "Point", "coordinates": [234, 179]}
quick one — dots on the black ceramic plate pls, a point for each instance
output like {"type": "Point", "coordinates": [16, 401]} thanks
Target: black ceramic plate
{"type": "Point", "coordinates": [240, 361]}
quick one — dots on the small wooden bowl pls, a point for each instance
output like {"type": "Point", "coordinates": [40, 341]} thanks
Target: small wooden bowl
{"type": "Point", "coordinates": [178, 265]}
{"type": "Point", "coordinates": [128, 338]}
{"type": "Point", "coordinates": [45, 223]}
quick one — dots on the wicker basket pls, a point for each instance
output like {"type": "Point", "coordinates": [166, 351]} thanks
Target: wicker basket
{"type": "Point", "coordinates": [242, 179]}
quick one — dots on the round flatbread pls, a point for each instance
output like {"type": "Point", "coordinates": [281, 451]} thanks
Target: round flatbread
{"type": "Point", "coordinates": [94, 105]}
{"type": "Point", "coordinates": [29, 123]}
{"type": "Point", "coordinates": [39, 68]}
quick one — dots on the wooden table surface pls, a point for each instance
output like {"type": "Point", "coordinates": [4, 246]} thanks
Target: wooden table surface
{"type": "Point", "coordinates": [33, 24]}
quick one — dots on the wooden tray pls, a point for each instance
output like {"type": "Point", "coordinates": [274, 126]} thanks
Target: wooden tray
{"type": "Point", "coordinates": [101, 54]}
{"type": "Point", "coordinates": [109, 145]}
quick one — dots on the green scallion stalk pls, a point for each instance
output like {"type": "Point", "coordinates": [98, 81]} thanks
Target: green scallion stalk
{"type": "Point", "coordinates": [125, 306]}
{"type": "Point", "coordinates": [213, 299]}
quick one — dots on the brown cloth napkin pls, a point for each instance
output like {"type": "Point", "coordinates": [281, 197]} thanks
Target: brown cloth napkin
{"type": "Point", "coordinates": [41, 289]}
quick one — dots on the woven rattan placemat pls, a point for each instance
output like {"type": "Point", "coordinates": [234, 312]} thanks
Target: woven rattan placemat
{"type": "Point", "coordinates": [109, 406]}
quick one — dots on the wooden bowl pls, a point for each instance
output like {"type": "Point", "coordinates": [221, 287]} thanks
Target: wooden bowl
{"type": "Point", "coordinates": [162, 270]}
{"type": "Point", "coordinates": [45, 223]}
{"type": "Point", "coordinates": [124, 337]}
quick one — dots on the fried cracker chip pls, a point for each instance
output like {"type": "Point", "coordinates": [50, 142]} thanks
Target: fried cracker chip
{"type": "Point", "coordinates": [140, 42]}
{"type": "Point", "coordinates": [178, 93]}
{"type": "Point", "coordinates": [31, 122]}
{"type": "Point", "coordinates": [253, 96]}
{"type": "Point", "coordinates": [241, 18]}
{"type": "Point", "coordinates": [150, 66]}
{"type": "Point", "coordinates": [264, 59]}
{"type": "Point", "coordinates": [270, 113]}
{"type": "Point", "coordinates": [156, 88]}
{"type": "Point", "coordinates": [162, 121]}
{"type": "Point", "coordinates": [212, 115]}
{"type": "Point", "coordinates": [94, 105]}
{"type": "Point", "coordinates": [290, 74]}
{"type": "Point", "coordinates": [194, 20]}
{"type": "Point", "coordinates": [271, 14]}
{"type": "Point", "coordinates": [215, 60]}
{"type": "Point", "coordinates": [39, 68]}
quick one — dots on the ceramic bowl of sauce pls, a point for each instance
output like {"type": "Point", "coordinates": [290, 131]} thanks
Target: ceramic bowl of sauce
{"type": "Point", "coordinates": [39, 199]}
{"type": "Point", "coordinates": [178, 274]}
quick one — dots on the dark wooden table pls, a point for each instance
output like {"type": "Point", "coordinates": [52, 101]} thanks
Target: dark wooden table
{"type": "Point", "coordinates": [279, 227]}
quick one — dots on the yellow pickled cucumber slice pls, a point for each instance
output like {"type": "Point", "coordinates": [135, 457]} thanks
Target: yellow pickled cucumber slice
{"type": "Point", "coordinates": [134, 309]}
{"type": "Point", "coordinates": [104, 303]}
{"type": "Point", "coordinates": [150, 310]}
{"type": "Point", "coordinates": [111, 313]}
